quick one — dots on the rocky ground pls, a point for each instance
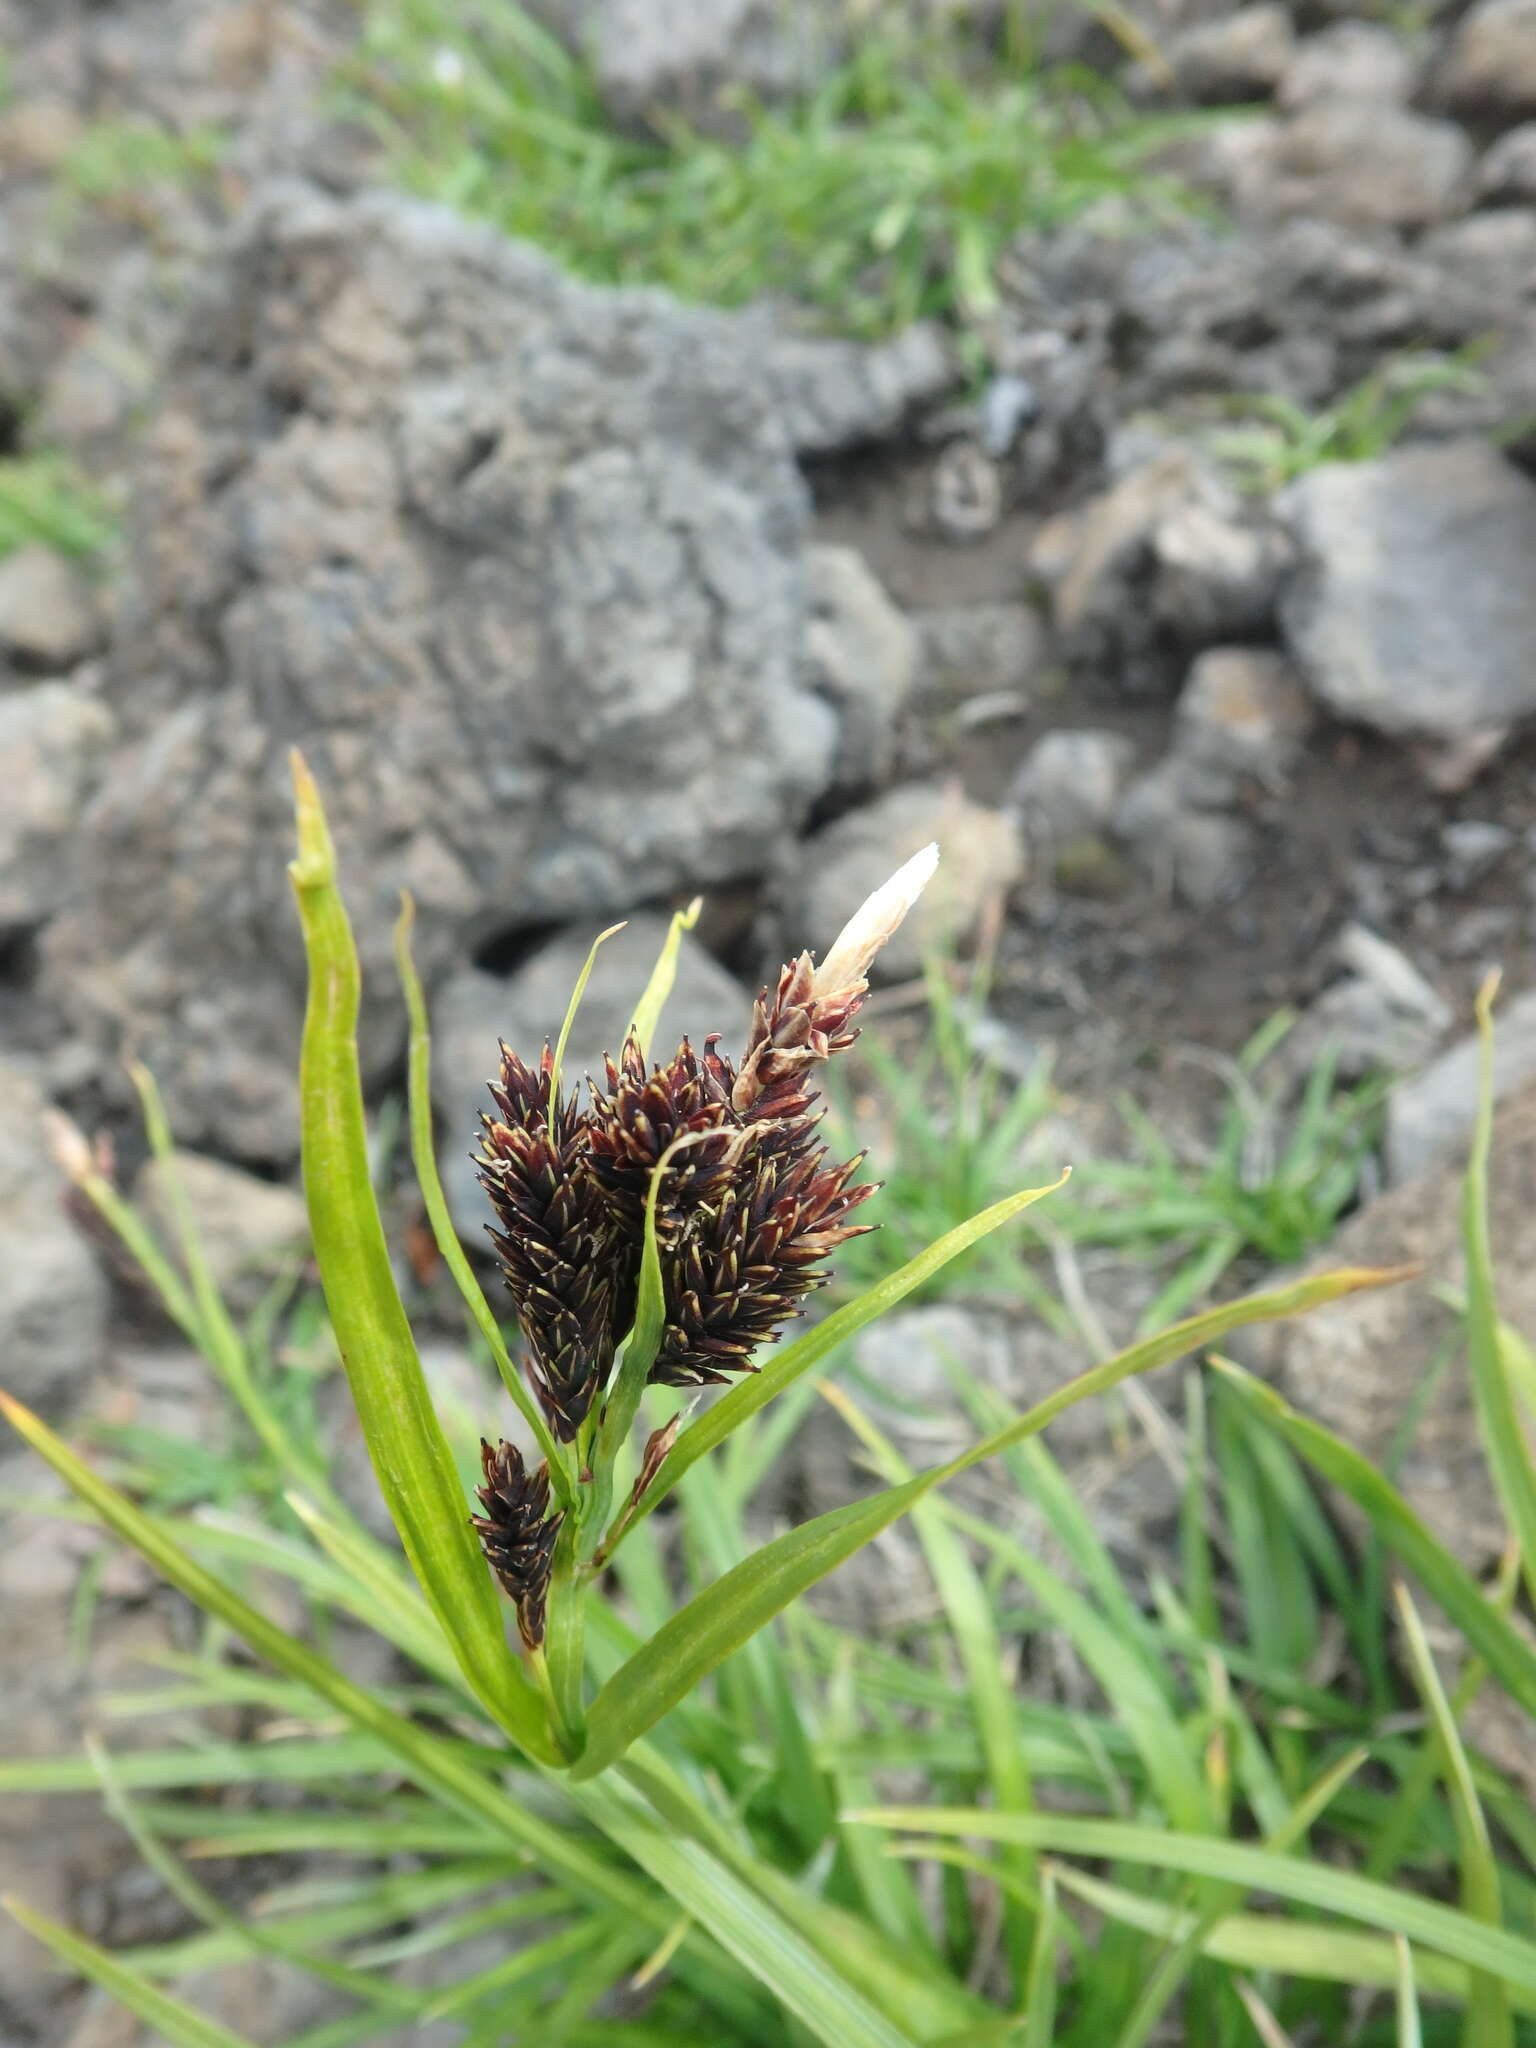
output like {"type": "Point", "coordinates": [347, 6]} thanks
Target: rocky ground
{"type": "Point", "coordinates": [1210, 665]}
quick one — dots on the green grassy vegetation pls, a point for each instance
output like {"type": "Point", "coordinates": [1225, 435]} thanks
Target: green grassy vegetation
{"type": "Point", "coordinates": [1279, 440]}
{"type": "Point", "coordinates": [44, 498]}
{"type": "Point", "coordinates": [114, 158]}
{"type": "Point", "coordinates": [1257, 1816]}
{"type": "Point", "coordinates": [955, 1134]}
{"type": "Point", "coordinates": [888, 194]}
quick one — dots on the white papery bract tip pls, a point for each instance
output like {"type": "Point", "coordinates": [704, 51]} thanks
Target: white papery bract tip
{"type": "Point", "coordinates": [873, 923]}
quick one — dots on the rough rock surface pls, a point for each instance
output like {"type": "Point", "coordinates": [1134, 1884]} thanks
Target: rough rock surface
{"type": "Point", "coordinates": [1491, 64]}
{"type": "Point", "coordinates": [981, 857]}
{"type": "Point", "coordinates": [1414, 610]}
{"type": "Point", "coordinates": [473, 1010]}
{"type": "Point", "coordinates": [53, 1298]}
{"type": "Point", "coordinates": [861, 656]}
{"type": "Point", "coordinates": [1363, 163]}
{"type": "Point", "coordinates": [48, 616]}
{"type": "Point", "coordinates": [518, 563]}
{"type": "Point", "coordinates": [54, 738]}
{"type": "Point", "coordinates": [1429, 1115]}
{"type": "Point", "coordinates": [250, 1229]}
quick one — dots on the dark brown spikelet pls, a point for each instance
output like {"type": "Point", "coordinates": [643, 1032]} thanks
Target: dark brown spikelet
{"type": "Point", "coordinates": [517, 1533]}
{"type": "Point", "coordinates": [638, 1116]}
{"type": "Point", "coordinates": [561, 1254]}
{"type": "Point", "coordinates": [747, 1264]}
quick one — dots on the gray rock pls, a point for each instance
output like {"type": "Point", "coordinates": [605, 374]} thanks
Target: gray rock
{"type": "Point", "coordinates": [1349, 60]}
{"type": "Point", "coordinates": [1243, 713]}
{"type": "Point", "coordinates": [53, 1298]}
{"type": "Point", "coordinates": [1507, 174]}
{"type": "Point", "coordinates": [251, 1230]}
{"type": "Point", "coordinates": [1070, 782]}
{"type": "Point", "coordinates": [1217, 568]}
{"type": "Point", "coordinates": [1473, 848]}
{"type": "Point", "coordinates": [977, 650]}
{"type": "Point", "coordinates": [518, 562]}
{"type": "Point", "coordinates": [982, 857]}
{"type": "Point", "coordinates": [48, 616]}
{"type": "Point", "coordinates": [861, 656]}
{"type": "Point", "coordinates": [1169, 556]}
{"type": "Point", "coordinates": [1491, 255]}
{"type": "Point", "coordinates": [1239, 56]}
{"type": "Point", "coordinates": [1357, 162]}
{"type": "Point", "coordinates": [1414, 610]}
{"type": "Point", "coordinates": [473, 1011]}
{"type": "Point", "coordinates": [833, 394]}
{"type": "Point", "coordinates": [1491, 64]}
{"type": "Point", "coordinates": [54, 738]}
{"type": "Point", "coordinates": [1429, 1117]}
{"type": "Point", "coordinates": [1205, 857]}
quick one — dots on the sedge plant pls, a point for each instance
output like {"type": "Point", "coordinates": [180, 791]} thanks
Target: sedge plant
{"type": "Point", "coordinates": [662, 1809]}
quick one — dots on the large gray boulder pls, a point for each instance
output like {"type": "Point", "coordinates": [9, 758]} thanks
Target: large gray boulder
{"type": "Point", "coordinates": [1413, 609]}
{"type": "Point", "coordinates": [518, 562]}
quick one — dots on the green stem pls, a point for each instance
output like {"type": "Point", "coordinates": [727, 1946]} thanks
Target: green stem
{"type": "Point", "coordinates": [560, 1663]}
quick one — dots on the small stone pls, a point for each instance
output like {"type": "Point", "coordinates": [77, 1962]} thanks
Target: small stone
{"type": "Point", "coordinates": [1387, 968]}
{"type": "Point", "coordinates": [1349, 60]}
{"type": "Point", "coordinates": [251, 1230]}
{"type": "Point", "coordinates": [1240, 56]}
{"type": "Point", "coordinates": [1491, 64]}
{"type": "Point", "coordinates": [38, 134]}
{"type": "Point", "coordinates": [473, 1010]}
{"type": "Point", "coordinates": [53, 1298]}
{"type": "Point", "coordinates": [981, 858]}
{"type": "Point", "coordinates": [1243, 712]}
{"type": "Point", "coordinates": [1491, 255]}
{"type": "Point", "coordinates": [977, 650]}
{"type": "Point", "coordinates": [1473, 848]}
{"type": "Point", "coordinates": [1218, 569]}
{"type": "Point", "coordinates": [1352, 161]}
{"type": "Point", "coordinates": [1430, 1117]}
{"type": "Point", "coordinates": [861, 655]}
{"type": "Point", "coordinates": [1070, 782]}
{"type": "Point", "coordinates": [1414, 609]}
{"type": "Point", "coordinates": [1507, 174]}
{"type": "Point", "coordinates": [1205, 857]}
{"type": "Point", "coordinates": [54, 738]}
{"type": "Point", "coordinates": [48, 616]}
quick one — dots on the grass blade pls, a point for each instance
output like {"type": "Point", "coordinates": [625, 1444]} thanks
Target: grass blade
{"type": "Point", "coordinates": [642, 1026]}
{"type": "Point", "coordinates": [1390, 1910]}
{"type": "Point", "coordinates": [1488, 2023]}
{"type": "Point", "coordinates": [1410, 2031]}
{"type": "Point", "coordinates": [410, 1454]}
{"type": "Point", "coordinates": [1509, 1657]}
{"type": "Point", "coordinates": [783, 1367]}
{"type": "Point", "coordinates": [1505, 1443]}
{"type": "Point", "coordinates": [720, 1619]}
{"type": "Point", "coordinates": [171, 2020]}
{"type": "Point", "coordinates": [445, 1235]}
{"type": "Point", "coordinates": [1040, 1983]}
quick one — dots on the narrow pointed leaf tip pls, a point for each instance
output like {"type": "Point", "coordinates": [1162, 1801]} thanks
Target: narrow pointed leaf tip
{"type": "Point", "coordinates": [315, 862]}
{"type": "Point", "coordinates": [875, 922]}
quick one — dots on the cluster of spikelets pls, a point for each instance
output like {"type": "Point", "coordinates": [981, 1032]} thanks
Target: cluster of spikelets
{"type": "Point", "coordinates": [747, 1209]}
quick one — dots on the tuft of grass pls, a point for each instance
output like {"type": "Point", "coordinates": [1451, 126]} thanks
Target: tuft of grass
{"type": "Point", "coordinates": [1269, 1187]}
{"type": "Point", "coordinates": [1280, 440]}
{"type": "Point", "coordinates": [886, 195]}
{"type": "Point", "coordinates": [117, 157]}
{"type": "Point", "coordinates": [44, 498]}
